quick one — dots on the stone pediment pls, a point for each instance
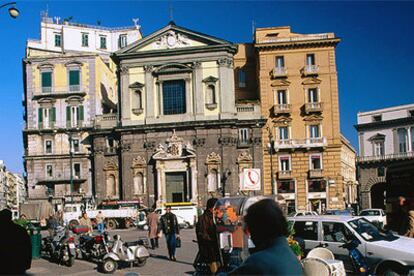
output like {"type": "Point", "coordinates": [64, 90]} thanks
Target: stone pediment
{"type": "Point", "coordinates": [377, 136]}
{"type": "Point", "coordinates": [174, 148]}
{"type": "Point", "coordinates": [136, 85]}
{"type": "Point", "coordinates": [138, 162]}
{"type": "Point", "coordinates": [313, 118]}
{"type": "Point", "coordinates": [210, 79]}
{"type": "Point", "coordinates": [244, 157]}
{"type": "Point", "coordinates": [280, 82]}
{"type": "Point", "coordinates": [311, 81]}
{"type": "Point", "coordinates": [282, 120]}
{"type": "Point", "coordinates": [213, 158]}
{"type": "Point", "coordinates": [172, 37]}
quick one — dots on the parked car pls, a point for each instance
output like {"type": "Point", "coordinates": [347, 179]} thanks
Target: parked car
{"type": "Point", "coordinates": [303, 213]}
{"type": "Point", "coordinates": [375, 216]}
{"type": "Point", "coordinates": [385, 253]}
{"type": "Point", "coordinates": [187, 214]}
{"type": "Point", "coordinates": [337, 212]}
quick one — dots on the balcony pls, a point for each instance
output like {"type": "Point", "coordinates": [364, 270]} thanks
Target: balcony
{"type": "Point", "coordinates": [105, 120]}
{"type": "Point", "coordinates": [313, 107]}
{"type": "Point", "coordinates": [308, 143]}
{"type": "Point", "coordinates": [310, 70]}
{"type": "Point", "coordinates": [278, 72]}
{"type": "Point", "coordinates": [285, 175]}
{"type": "Point", "coordinates": [75, 124]}
{"type": "Point", "coordinates": [46, 125]}
{"type": "Point", "coordinates": [315, 173]}
{"type": "Point", "coordinates": [59, 91]}
{"type": "Point", "coordinates": [282, 109]}
{"type": "Point", "coordinates": [248, 110]}
{"type": "Point", "coordinates": [386, 157]}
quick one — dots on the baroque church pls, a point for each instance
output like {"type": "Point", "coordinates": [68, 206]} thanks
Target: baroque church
{"type": "Point", "coordinates": [180, 134]}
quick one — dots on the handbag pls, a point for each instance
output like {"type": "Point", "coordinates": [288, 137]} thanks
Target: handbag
{"type": "Point", "coordinates": [178, 242]}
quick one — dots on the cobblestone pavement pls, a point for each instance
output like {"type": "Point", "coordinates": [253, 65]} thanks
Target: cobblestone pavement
{"type": "Point", "coordinates": [157, 264]}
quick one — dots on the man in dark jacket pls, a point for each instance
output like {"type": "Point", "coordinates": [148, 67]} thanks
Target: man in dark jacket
{"type": "Point", "coordinates": [16, 248]}
{"type": "Point", "coordinates": [207, 237]}
{"type": "Point", "coordinates": [272, 255]}
{"type": "Point", "coordinates": [171, 229]}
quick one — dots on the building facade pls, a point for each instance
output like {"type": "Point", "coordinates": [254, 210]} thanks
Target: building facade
{"type": "Point", "coordinates": [181, 135]}
{"type": "Point", "coordinates": [3, 183]}
{"type": "Point", "coordinates": [386, 138]}
{"type": "Point", "coordinates": [12, 189]}
{"type": "Point", "coordinates": [69, 81]}
{"type": "Point", "coordinates": [348, 172]}
{"type": "Point", "coordinates": [297, 81]}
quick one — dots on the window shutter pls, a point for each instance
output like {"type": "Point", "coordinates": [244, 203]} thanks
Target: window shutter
{"type": "Point", "coordinates": [52, 117]}
{"type": "Point", "coordinates": [46, 79]}
{"type": "Point", "coordinates": [74, 77]}
{"type": "Point", "coordinates": [68, 113]}
{"type": "Point", "coordinates": [40, 117]}
{"type": "Point", "coordinates": [80, 113]}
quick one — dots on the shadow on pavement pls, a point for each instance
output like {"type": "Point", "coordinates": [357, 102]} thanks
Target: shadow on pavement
{"type": "Point", "coordinates": [162, 257]}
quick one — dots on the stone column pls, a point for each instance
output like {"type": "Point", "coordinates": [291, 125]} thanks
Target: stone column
{"type": "Point", "coordinates": [198, 95]}
{"type": "Point", "coordinates": [227, 94]}
{"type": "Point", "coordinates": [193, 170]}
{"type": "Point", "coordinates": [149, 92]}
{"type": "Point", "coordinates": [395, 141]}
{"type": "Point", "coordinates": [125, 97]}
{"type": "Point", "coordinates": [189, 107]}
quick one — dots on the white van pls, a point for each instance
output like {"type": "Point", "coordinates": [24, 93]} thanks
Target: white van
{"type": "Point", "coordinates": [186, 214]}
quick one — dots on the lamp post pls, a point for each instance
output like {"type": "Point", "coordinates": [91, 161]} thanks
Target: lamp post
{"type": "Point", "coordinates": [13, 11]}
{"type": "Point", "coordinates": [71, 160]}
{"type": "Point", "coordinates": [271, 148]}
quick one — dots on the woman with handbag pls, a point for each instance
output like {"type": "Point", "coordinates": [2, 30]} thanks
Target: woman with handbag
{"type": "Point", "coordinates": [153, 231]}
{"type": "Point", "coordinates": [171, 230]}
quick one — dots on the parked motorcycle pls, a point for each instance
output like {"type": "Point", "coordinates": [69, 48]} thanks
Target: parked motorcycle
{"type": "Point", "coordinates": [92, 247]}
{"type": "Point", "coordinates": [358, 260]}
{"type": "Point", "coordinates": [130, 253]}
{"type": "Point", "coordinates": [61, 247]}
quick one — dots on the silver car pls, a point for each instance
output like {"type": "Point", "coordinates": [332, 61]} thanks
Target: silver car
{"type": "Point", "coordinates": [385, 253]}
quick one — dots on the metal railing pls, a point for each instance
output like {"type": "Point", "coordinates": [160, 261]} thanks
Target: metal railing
{"type": "Point", "coordinates": [385, 157]}
{"type": "Point", "coordinates": [301, 143]}
{"type": "Point", "coordinates": [310, 69]}
{"type": "Point", "coordinates": [300, 38]}
{"type": "Point", "coordinates": [315, 173]}
{"type": "Point", "coordinates": [285, 174]}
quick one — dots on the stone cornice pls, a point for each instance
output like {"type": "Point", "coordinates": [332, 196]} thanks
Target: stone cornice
{"type": "Point", "coordinates": [298, 44]}
{"type": "Point", "coordinates": [400, 122]}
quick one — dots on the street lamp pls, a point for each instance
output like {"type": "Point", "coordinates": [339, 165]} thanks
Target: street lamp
{"type": "Point", "coordinates": [13, 11]}
{"type": "Point", "coordinates": [271, 149]}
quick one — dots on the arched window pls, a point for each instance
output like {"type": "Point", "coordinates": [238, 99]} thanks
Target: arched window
{"type": "Point", "coordinates": [139, 187]}
{"type": "Point", "coordinates": [212, 181]}
{"type": "Point", "coordinates": [210, 94]}
{"type": "Point", "coordinates": [111, 186]}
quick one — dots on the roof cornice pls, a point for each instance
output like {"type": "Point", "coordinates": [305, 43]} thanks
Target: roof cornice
{"type": "Point", "coordinates": [298, 44]}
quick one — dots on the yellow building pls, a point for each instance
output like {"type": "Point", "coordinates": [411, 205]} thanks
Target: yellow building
{"type": "Point", "coordinates": [297, 81]}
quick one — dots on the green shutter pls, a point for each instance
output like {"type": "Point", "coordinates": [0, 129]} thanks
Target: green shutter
{"type": "Point", "coordinates": [74, 77]}
{"type": "Point", "coordinates": [68, 113]}
{"type": "Point", "coordinates": [40, 117]}
{"type": "Point", "coordinates": [53, 114]}
{"type": "Point", "coordinates": [46, 79]}
{"type": "Point", "coordinates": [80, 113]}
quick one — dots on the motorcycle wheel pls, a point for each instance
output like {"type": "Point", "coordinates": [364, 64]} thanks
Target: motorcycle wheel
{"type": "Point", "coordinates": [70, 262]}
{"type": "Point", "coordinates": [141, 262]}
{"type": "Point", "coordinates": [108, 266]}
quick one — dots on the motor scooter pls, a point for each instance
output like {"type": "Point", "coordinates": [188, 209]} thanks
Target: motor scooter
{"type": "Point", "coordinates": [359, 262]}
{"type": "Point", "coordinates": [61, 247]}
{"type": "Point", "coordinates": [131, 253]}
{"type": "Point", "coordinates": [93, 248]}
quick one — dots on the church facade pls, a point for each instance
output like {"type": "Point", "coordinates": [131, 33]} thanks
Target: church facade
{"type": "Point", "coordinates": [180, 134]}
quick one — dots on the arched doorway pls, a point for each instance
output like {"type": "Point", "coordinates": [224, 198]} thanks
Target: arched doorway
{"type": "Point", "coordinates": [377, 195]}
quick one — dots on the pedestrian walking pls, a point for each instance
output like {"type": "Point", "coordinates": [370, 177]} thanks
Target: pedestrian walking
{"type": "Point", "coordinates": [100, 220]}
{"type": "Point", "coordinates": [153, 231]}
{"type": "Point", "coordinates": [207, 238]}
{"type": "Point", "coordinates": [410, 231]}
{"type": "Point", "coordinates": [171, 231]}
{"type": "Point", "coordinates": [268, 229]}
{"type": "Point", "coordinates": [51, 225]}
{"type": "Point", "coordinates": [85, 221]}
{"type": "Point", "coordinates": [16, 248]}
{"type": "Point", "coordinates": [401, 216]}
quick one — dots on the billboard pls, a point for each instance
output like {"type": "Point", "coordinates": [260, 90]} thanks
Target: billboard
{"type": "Point", "coordinates": [250, 180]}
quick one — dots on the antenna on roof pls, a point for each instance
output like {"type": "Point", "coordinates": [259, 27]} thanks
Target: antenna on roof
{"type": "Point", "coordinates": [171, 10]}
{"type": "Point", "coordinates": [136, 20]}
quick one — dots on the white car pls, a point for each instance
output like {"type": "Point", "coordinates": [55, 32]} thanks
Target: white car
{"type": "Point", "coordinates": [374, 215]}
{"type": "Point", "coordinates": [186, 214]}
{"type": "Point", "coordinates": [303, 213]}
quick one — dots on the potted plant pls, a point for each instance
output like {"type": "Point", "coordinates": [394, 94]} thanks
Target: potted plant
{"type": "Point", "coordinates": [293, 243]}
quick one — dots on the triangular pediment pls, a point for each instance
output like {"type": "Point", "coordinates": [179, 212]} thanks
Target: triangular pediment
{"type": "Point", "coordinates": [173, 37]}
{"type": "Point", "coordinates": [377, 136]}
{"type": "Point", "coordinates": [280, 82]}
{"type": "Point", "coordinates": [282, 120]}
{"type": "Point", "coordinates": [312, 118]}
{"type": "Point", "coordinates": [311, 81]}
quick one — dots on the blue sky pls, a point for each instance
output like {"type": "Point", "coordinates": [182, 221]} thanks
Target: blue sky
{"type": "Point", "coordinates": [375, 60]}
